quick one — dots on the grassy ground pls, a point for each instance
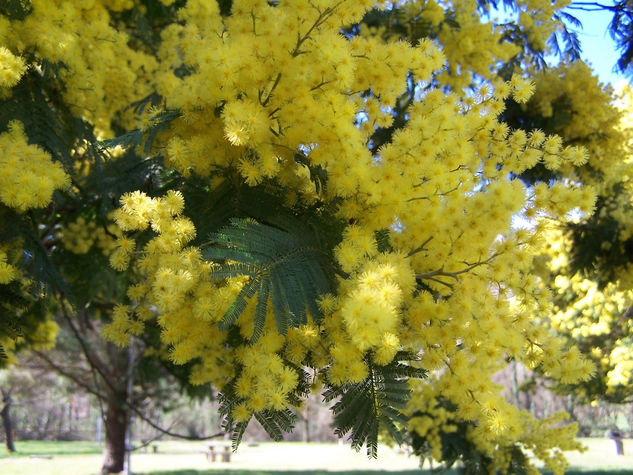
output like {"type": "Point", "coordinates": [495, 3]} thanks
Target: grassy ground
{"type": "Point", "coordinates": [188, 458]}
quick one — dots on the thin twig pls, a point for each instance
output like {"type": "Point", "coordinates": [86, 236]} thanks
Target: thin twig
{"type": "Point", "coordinates": [442, 272]}
{"type": "Point", "coordinates": [74, 378]}
{"type": "Point", "coordinates": [270, 93]}
{"type": "Point", "coordinates": [421, 248]}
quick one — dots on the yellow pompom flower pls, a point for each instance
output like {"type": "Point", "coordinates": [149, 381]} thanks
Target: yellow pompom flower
{"type": "Point", "coordinates": [29, 176]}
{"type": "Point", "coordinates": [11, 68]}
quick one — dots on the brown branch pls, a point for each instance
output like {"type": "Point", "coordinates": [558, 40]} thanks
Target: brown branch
{"type": "Point", "coordinates": [450, 286]}
{"type": "Point", "coordinates": [421, 248]}
{"type": "Point", "coordinates": [442, 272]}
{"type": "Point", "coordinates": [270, 93]}
{"type": "Point", "coordinates": [319, 21]}
{"type": "Point", "coordinates": [96, 366]}
{"type": "Point", "coordinates": [167, 431]}
{"type": "Point", "coordinates": [73, 377]}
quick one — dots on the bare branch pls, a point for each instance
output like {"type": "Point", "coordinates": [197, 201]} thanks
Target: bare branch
{"type": "Point", "coordinates": [455, 274]}
{"type": "Point", "coordinates": [421, 248]}
{"type": "Point", "coordinates": [73, 377]}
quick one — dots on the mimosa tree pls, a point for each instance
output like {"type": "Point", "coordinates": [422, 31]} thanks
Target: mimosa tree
{"type": "Point", "coordinates": [296, 203]}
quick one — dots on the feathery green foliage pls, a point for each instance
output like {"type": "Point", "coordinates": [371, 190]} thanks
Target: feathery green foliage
{"type": "Point", "coordinates": [275, 423]}
{"type": "Point", "coordinates": [284, 262]}
{"type": "Point", "coordinates": [47, 121]}
{"type": "Point", "coordinates": [159, 122]}
{"type": "Point", "coordinates": [374, 403]}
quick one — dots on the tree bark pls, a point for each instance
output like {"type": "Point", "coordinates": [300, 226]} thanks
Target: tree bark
{"type": "Point", "coordinates": [115, 428]}
{"type": "Point", "coordinates": [6, 421]}
{"type": "Point", "coordinates": [619, 447]}
{"type": "Point", "coordinates": [306, 422]}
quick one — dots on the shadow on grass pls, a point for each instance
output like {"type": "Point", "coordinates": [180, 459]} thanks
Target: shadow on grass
{"type": "Point", "coordinates": [614, 471]}
{"type": "Point", "coordinates": [294, 472]}
{"type": "Point", "coordinates": [358, 472]}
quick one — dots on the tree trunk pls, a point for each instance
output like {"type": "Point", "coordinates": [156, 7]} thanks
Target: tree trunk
{"type": "Point", "coordinates": [306, 422]}
{"type": "Point", "coordinates": [515, 385]}
{"type": "Point", "coordinates": [6, 421]}
{"type": "Point", "coordinates": [571, 405]}
{"type": "Point", "coordinates": [47, 423]}
{"type": "Point", "coordinates": [619, 447]}
{"type": "Point", "coordinates": [115, 428]}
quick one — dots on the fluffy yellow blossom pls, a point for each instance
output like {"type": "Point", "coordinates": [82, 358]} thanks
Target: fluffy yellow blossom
{"type": "Point", "coordinates": [11, 68]}
{"type": "Point", "coordinates": [28, 176]}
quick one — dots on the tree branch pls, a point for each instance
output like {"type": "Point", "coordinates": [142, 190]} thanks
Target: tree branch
{"type": "Point", "coordinates": [422, 247]}
{"type": "Point", "coordinates": [73, 377]}
{"type": "Point", "coordinates": [441, 272]}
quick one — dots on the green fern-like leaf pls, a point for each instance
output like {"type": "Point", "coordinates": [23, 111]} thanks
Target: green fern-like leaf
{"type": "Point", "coordinates": [159, 123]}
{"type": "Point", "coordinates": [285, 263]}
{"type": "Point", "coordinates": [275, 423]}
{"type": "Point", "coordinates": [21, 310]}
{"type": "Point", "coordinates": [47, 121]}
{"type": "Point", "coordinates": [376, 402]}
{"type": "Point", "coordinates": [237, 434]}
{"type": "Point", "coordinates": [228, 400]}
{"type": "Point", "coordinates": [15, 9]}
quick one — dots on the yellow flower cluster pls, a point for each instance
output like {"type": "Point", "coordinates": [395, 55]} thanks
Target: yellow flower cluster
{"type": "Point", "coordinates": [432, 421]}
{"type": "Point", "coordinates": [80, 235]}
{"type": "Point", "coordinates": [176, 283]}
{"type": "Point", "coordinates": [370, 307]}
{"type": "Point", "coordinates": [473, 48]}
{"type": "Point", "coordinates": [8, 272]}
{"type": "Point", "coordinates": [474, 42]}
{"type": "Point", "coordinates": [124, 324]}
{"type": "Point", "coordinates": [28, 176]}
{"type": "Point", "coordinates": [538, 19]}
{"type": "Point", "coordinates": [585, 113]}
{"type": "Point", "coordinates": [265, 380]}
{"type": "Point", "coordinates": [42, 336]}
{"type": "Point", "coordinates": [502, 422]}
{"type": "Point", "coordinates": [622, 361]}
{"type": "Point", "coordinates": [272, 88]}
{"type": "Point", "coordinates": [11, 68]}
{"type": "Point", "coordinates": [102, 74]}
{"type": "Point", "coordinates": [593, 318]}
{"type": "Point", "coordinates": [278, 91]}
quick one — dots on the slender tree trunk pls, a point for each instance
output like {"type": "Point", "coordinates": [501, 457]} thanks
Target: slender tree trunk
{"type": "Point", "coordinates": [515, 385]}
{"type": "Point", "coordinates": [619, 447]}
{"type": "Point", "coordinates": [6, 421]}
{"type": "Point", "coordinates": [47, 423]}
{"type": "Point", "coordinates": [62, 418]}
{"type": "Point", "coordinates": [571, 405]}
{"type": "Point", "coordinates": [306, 421]}
{"type": "Point", "coordinates": [115, 429]}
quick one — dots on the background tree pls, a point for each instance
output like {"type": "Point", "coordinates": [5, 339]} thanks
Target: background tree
{"type": "Point", "coordinates": [587, 263]}
{"type": "Point", "coordinates": [620, 28]}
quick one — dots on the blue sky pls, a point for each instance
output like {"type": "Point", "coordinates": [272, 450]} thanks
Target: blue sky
{"type": "Point", "coordinates": [598, 48]}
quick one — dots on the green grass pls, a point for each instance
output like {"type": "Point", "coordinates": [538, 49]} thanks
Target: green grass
{"type": "Point", "coordinates": [47, 447]}
{"type": "Point", "coordinates": [290, 458]}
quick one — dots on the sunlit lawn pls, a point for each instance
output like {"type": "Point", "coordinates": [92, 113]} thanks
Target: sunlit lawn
{"type": "Point", "coordinates": [188, 458]}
